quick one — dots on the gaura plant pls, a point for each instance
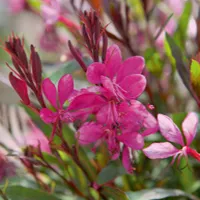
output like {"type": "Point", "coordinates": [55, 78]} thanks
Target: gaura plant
{"type": "Point", "coordinates": [103, 140]}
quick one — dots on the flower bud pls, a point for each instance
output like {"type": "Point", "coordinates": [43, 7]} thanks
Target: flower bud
{"type": "Point", "coordinates": [20, 87]}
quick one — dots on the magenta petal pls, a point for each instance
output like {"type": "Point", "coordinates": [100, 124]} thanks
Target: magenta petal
{"type": "Point", "coordinates": [89, 133]}
{"type": "Point", "coordinates": [49, 91]}
{"type": "Point", "coordinates": [126, 161]}
{"type": "Point", "coordinates": [94, 72]}
{"type": "Point", "coordinates": [169, 130]}
{"type": "Point", "coordinates": [108, 84]}
{"type": "Point", "coordinates": [133, 86]}
{"type": "Point", "coordinates": [132, 140]}
{"type": "Point", "coordinates": [108, 114]}
{"type": "Point", "coordinates": [147, 120]}
{"type": "Point", "coordinates": [65, 88]}
{"type": "Point", "coordinates": [133, 65]}
{"type": "Point", "coordinates": [189, 127]}
{"type": "Point", "coordinates": [86, 101]}
{"type": "Point", "coordinates": [113, 61]}
{"type": "Point", "coordinates": [160, 150]}
{"type": "Point", "coordinates": [48, 116]}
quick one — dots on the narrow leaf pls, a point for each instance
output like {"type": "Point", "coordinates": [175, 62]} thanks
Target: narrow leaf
{"type": "Point", "coordinates": [162, 27]}
{"type": "Point", "coordinates": [23, 193]}
{"type": "Point", "coordinates": [159, 193]}
{"type": "Point", "coordinates": [114, 193]}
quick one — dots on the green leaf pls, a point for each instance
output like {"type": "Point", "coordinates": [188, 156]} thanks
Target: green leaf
{"type": "Point", "coordinates": [195, 76]}
{"type": "Point", "coordinates": [178, 118]}
{"type": "Point", "coordinates": [35, 4]}
{"type": "Point", "coordinates": [154, 63]}
{"type": "Point", "coordinates": [114, 193]}
{"type": "Point", "coordinates": [182, 69]}
{"type": "Point", "coordinates": [168, 52]}
{"type": "Point", "coordinates": [23, 193]}
{"type": "Point", "coordinates": [68, 68]}
{"type": "Point", "coordinates": [159, 193]}
{"type": "Point", "coordinates": [137, 7]}
{"type": "Point", "coordinates": [181, 32]}
{"type": "Point", "coordinates": [110, 172]}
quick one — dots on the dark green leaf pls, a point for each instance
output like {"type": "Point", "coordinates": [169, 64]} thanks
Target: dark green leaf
{"type": "Point", "coordinates": [110, 172]}
{"type": "Point", "coordinates": [159, 193]}
{"type": "Point", "coordinates": [182, 69]}
{"type": "Point", "coordinates": [23, 193]}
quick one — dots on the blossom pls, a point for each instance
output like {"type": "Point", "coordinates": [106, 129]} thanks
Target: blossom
{"type": "Point", "coordinates": [172, 134]}
{"type": "Point", "coordinates": [50, 40]}
{"type": "Point", "coordinates": [51, 11]}
{"type": "Point", "coordinates": [16, 6]}
{"type": "Point", "coordinates": [134, 117]}
{"type": "Point", "coordinates": [65, 90]}
{"type": "Point", "coordinates": [122, 80]}
{"type": "Point", "coordinates": [92, 132]}
{"type": "Point", "coordinates": [7, 168]}
{"type": "Point", "coordinates": [35, 137]}
{"type": "Point", "coordinates": [133, 124]}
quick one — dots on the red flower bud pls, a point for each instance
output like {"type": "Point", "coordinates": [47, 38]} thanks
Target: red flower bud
{"type": "Point", "coordinates": [20, 87]}
{"type": "Point", "coordinates": [36, 66]}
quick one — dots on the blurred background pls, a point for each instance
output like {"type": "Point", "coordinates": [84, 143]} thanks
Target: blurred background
{"type": "Point", "coordinates": [148, 22]}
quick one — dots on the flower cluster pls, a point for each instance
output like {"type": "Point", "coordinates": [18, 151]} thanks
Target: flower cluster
{"type": "Point", "coordinates": [120, 120]}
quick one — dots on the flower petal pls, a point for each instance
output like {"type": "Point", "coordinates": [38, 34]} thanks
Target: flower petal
{"type": "Point", "coordinates": [189, 127]}
{"type": "Point", "coordinates": [36, 137]}
{"type": "Point", "coordinates": [132, 140]}
{"type": "Point", "coordinates": [48, 116]}
{"type": "Point", "coordinates": [86, 101]}
{"type": "Point", "coordinates": [126, 161]}
{"type": "Point", "coordinates": [147, 120]}
{"type": "Point", "coordinates": [94, 72]}
{"type": "Point", "coordinates": [133, 65]}
{"type": "Point", "coordinates": [89, 133]}
{"type": "Point", "coordinates": [108, 84]}
{"type": "Point", "coordinates": [113, 60]}
{"type": "Point", "coordinates": [108, 114]}
{"type": "Point", "coordinates": [133, 86]}
{"type": "Point", "coordinates": [49, 91]}
{"type": "Point", "coordinates": [65, 88]}
{"type": "Point", "coordinates": [160, 150]}
{"type": "Point", "coordinates": [169, 130]}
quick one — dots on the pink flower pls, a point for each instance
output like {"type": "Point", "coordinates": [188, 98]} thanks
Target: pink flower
{"type": "Point", "coordinates": [134, 122]}
{"type": "Point", "coordinates": [50, 40]}
{"type": "Point", "coordinates": [51, 11]}
{"type": "Point", "coordinates": [16, 5]}
{"type": "Point", "coordinates": [171, 133]}
{"type": "Point", "coordinates": [36, 137]}
{"type": "Point", "coordinates": [65, 90]}
{"type": "Point", "coordinates": [92, 132]}
{"type": "Point", "coordinates": [122, 80]}
{"type": "Point", "coordinates": [7, 168]}
{"type": "Point", "coordinates": [85, 103]}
